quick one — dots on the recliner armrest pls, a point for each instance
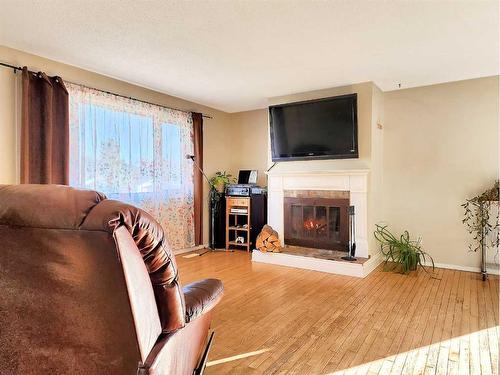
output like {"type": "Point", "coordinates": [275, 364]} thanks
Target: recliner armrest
{"type": "Point", "coordinates": [201, 296]}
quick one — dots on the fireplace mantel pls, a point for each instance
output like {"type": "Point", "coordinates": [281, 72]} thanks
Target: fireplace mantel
{"type": "Point", "coordinates": [354, 180]}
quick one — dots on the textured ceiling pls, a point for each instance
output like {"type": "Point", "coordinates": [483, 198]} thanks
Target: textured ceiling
{"type": "Point", "coordinates": [233, 55]}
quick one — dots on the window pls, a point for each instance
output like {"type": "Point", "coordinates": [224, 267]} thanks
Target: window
{"type": "Point", "coordinates": [135, 152]}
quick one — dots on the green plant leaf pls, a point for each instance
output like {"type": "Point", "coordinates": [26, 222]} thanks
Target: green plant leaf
{"type": "Point", "coordinates": [402, 252]}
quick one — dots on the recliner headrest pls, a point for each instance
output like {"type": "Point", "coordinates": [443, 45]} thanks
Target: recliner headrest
{"type": "Point", "coordinates": [46, 206]}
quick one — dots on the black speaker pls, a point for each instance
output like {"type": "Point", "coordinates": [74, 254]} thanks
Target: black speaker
{"type": "Point", "coordinates": [258, 214]}
{"type": "Point", "coordinates": [218, 220]}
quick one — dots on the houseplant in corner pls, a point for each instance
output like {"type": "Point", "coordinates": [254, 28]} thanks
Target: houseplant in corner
{"type": "Point", "coordinates": [483, 222]}
{"type": "Point", "coordinates": [477, 218]}
{"type": "Point", "coordinates": [217, 207]}
{"type": "Point", "coordinates": [220, 180]}
{"type": "Point", "coordinates": [402, 254]}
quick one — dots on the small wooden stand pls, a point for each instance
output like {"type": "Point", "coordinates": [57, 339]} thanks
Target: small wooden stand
{"type": "Point", "coordinates": [235, 222]}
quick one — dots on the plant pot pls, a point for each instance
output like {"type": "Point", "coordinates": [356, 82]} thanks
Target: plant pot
{"type": "Point", "coordinates": [220, 187]}
{"type": "Point", "coordinates": [414, 266]}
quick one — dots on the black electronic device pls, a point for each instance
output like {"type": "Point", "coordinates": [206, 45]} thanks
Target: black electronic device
{"type": "Point", "coordinates": [238, 190]}
{"type": "Point", "coordinates": [258, 213]}
{"type": "Point", "coordinates": [315, 129]}
{"type": "Point", "coordinates": [257, 190]}
{"type": "Point", "coordinates": [218, 221]}
{"type": "Point", "coordinates": [247, 177]}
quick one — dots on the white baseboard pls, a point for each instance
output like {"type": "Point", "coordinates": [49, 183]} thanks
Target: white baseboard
{"type": "Point", "coordinates": [372, 263]}
{"type": "Point", "coordinates": [490, 270]}
{"type": "Point", "coordinates": [189, 249]}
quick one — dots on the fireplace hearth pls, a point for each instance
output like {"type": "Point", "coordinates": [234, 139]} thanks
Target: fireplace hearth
{"type": "Point", "coordinates": [317, 222]}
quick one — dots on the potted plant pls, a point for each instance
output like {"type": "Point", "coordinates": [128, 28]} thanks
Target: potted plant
{"type": "Point", "coordinates": [401, 253]}
{"type": "Point", "coordinates": [477, 218]}
{"type": "Point", "coordinates": [217, 187]}
{"type": "Point", "coordinates": [220, 180]}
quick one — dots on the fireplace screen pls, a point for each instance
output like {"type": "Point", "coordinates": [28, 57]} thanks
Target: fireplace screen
{"type": "Point", "coordinates": [317, 222]}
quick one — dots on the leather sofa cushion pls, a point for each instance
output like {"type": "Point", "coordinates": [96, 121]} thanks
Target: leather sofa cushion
{"type": "Point", "coordinates": [63, 304]}
{"type": "Point", "coordinates": [140, 292]}
{"type": "Point", "coordinates": [150, 240]}
{"type": "Point", "coordinates": [201, 296]}
{"type": "Point", "coordinates": [46, 206]}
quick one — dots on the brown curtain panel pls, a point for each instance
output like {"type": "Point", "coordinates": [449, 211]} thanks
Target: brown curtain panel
{"type": "Point", "coordinates": [198, 178]}
{"type": "Point", "coordinates": [44, 130]}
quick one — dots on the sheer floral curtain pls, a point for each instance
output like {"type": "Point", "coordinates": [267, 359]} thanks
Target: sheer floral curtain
{"type": "Point", "coordinates": [135, 152]}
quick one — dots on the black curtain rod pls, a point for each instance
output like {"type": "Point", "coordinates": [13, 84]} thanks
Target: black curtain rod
{"type": "Point", "coordinates": [16, 68]}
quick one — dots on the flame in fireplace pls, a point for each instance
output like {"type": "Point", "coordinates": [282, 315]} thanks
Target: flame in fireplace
{"type": "Point", "coordinates": [317, 225]}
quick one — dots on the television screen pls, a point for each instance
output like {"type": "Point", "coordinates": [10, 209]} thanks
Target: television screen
{"type": "Point", "coordinates": [316, 129]}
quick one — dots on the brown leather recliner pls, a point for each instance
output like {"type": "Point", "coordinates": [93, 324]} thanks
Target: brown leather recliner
{"type": "Point", "coordinates": [90, 286]}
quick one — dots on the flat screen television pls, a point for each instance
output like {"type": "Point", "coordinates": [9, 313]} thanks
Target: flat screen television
{"type": "Point", "coordinates": [315, 129]}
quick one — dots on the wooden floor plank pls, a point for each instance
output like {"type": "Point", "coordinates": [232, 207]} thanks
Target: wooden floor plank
{"type": "Point", "coordinates": [484, 347]}
{"type": "Point", "coordinates": [464, 360]}
{"type": "Point", "coordinates": [386, 315]}
{"type": "Point", "coordinates": [491, 322]}
{"type": "Point", "coordinates": [454, 351]}
{"type": "Point", "coordinates": [356, 327]}
{"type": "Point", "coordinates": [474, 348]}
{"type": "Point", "coordinates": [421, 361]}
{"type": "Point", "coordinates": [439, 325]}
{"type": "Point", "coordinates": [283, 320]}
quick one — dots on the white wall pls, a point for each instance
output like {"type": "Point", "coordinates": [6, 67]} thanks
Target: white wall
{"type": "Point", "coordinates": [376, 190]}
{"type": "Point", "coordinates": [441, 146]}
{"type": "Point", "coordinates": [250, 142]}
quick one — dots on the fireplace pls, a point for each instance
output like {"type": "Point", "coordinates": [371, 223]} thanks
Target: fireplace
{"type": "Point", "coordinates": [317, 219]}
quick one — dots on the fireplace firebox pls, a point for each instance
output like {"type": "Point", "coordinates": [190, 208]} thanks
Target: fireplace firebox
{"type": "Point", "coordinates": [321, 223]}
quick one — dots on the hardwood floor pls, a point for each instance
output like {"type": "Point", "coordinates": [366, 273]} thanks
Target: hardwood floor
{"type": "Point", "coordinates": [279, 320]}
